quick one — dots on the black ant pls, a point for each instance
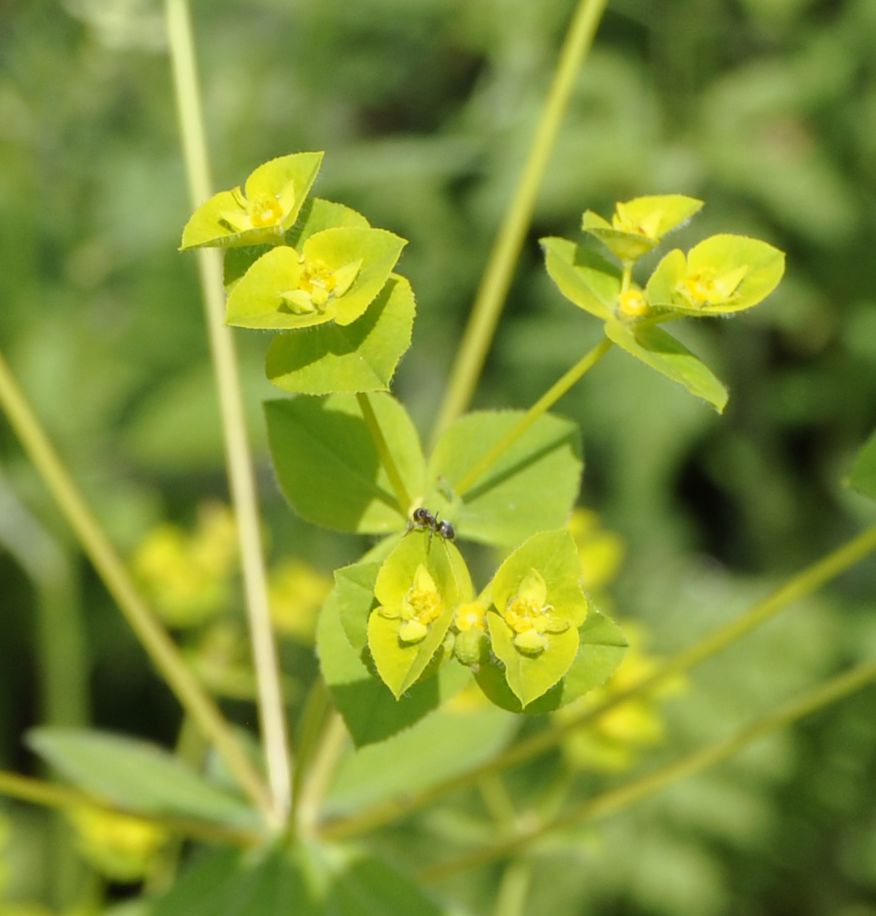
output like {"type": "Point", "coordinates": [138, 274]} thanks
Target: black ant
{"type": "Point", "coordinates": [423, 519]}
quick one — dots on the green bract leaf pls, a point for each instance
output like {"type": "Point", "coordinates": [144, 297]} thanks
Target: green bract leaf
{"type": "Point", "coordinates": [582, 276]}
{"type": "Point", "coordinates": [723, 274]}
{"type": "Point", "coordinates": [601, 648]}
{"type": "Point", "coordinates": [336, 276]}
{"type": "Point", "coordinates": [659, 350]}
{"type": "Point", "coordinates": [639, 224]}
{"type": "Point", "coordinates": [359, 357]}
{"type": "Point", "coordinates": [370, 711]}
{"type": "Point", "coordinates": [538, 607]}
{"type": "Point", "coordinates": [533, 485]}
{"type": "Point", "coordinates": [418, 588]}
{"type": "Point", "coordinates": [300, 879]}
{"type": "Point", "coordinates": [328, 467]}
{"type": "Point", "coordinates": [138, 776]}
{"type": "Point", "coordinates": [317, 215]}
{"type": "Point", "coordinates": [863, 474]}
{"type": "Point", "coordinates": [262, 212]}
{"type": "Point", "coordinates": [439, 747]}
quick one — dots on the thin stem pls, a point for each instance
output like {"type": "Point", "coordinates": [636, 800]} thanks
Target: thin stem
{"type": "Point", "coordinates": [50, 795]}
{"type": "Point", "coordinates": [799, 586]}
{"type": "Point", "coordinates": [622, 797]}
{"type": "Point", "coordinates": [541, 406]}
{"type": "Point", "coordinates": [497, 276]}
{"type": "Point", "coordinates": [513, 889]}
{"type": "Point", "coordinates": [325, 761]}
{"type": "Point", "coordinates": [239, 460]}
{"type": "Point", "coordinates": [386, 459]}
{"type": "Point", "coordinates": [158, 645]}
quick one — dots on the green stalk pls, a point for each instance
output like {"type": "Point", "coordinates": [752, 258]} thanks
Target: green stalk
{"type": "Point", "coordinates": [804, 583]}
{"type": "Point", "coordinates": [392, 472]}
{"type": "Point", "coordinates": [50, 795]}
{"type": "Point", "coordinates": [319, 776]}
{"type": "Point", "coordinates": [541, 406]}
{"type": "Point", "coordinates": [514, 889]}
{"type": "Point", "coordinates": [239, 460]}
{"type": "Point", "coordinates": [622, 797]}
{"type": "Point", "coordinates": [154, 638]}
{"type": "Point", "coordinates": [506, 249]}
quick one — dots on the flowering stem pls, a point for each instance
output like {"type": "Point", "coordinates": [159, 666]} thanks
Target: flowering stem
{"type": "Point", "coordinates": [797, 587]}
{"type": "Point", "coordinates": [541, 406]}
{"type": "Point", "coordinates": [239, 460]}
{"type": "Point", "coordinates": [154, 638]}
{"type": "Point", "coordinates": [40, 792]}
{"type": "Point", "coordinates": [392, 472]}
{"type": "Point", "coordinates": [497, 276]}
{"type": "Point", "coordinates": [622, 797]}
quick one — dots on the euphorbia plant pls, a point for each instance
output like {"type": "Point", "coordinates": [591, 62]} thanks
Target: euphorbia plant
{"type": "Point", "coordinates": [430, 666]}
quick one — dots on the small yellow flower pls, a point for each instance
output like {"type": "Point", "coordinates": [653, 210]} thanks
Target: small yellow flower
{"type": "Point", "coordinates": [631, 304]}
{"type": "Point", "coordinates": [318, 285]}
{"type": "Point", "coordinates": [262, 211]}
{"type": "Point", "coordinates": [705, 286]}
{"type": "Point", "coordinates": [470, 616]}
{"type": "Point", "coordinates": [422, 605]}
{"type": "Point", "coordinates": [529, 615]}
{"type": "Point", "coordinates": [296, 592]}
{"type": "Point", "coordinates": [647, 226]}
{"type": "Point", "coordinates": [119, 846]}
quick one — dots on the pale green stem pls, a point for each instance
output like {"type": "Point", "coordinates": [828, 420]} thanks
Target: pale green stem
{"type": "Point", "coordinates": [617, 799]}
{"type": "Point", "coordinates": [238, 458]}
{"type": "Point", "coordinates": [497, 276]}
{"type": "Point", "coordinates": [540, 407]}
{"type": "Point", "coordinates": [392, 472]}
{"type": "Point", "coordinates": [497, 801]}
{"type": "Point", "coordinates": [50, 795]}
{"type": "Point", "coordinates": [319, 777]}
{"type": "Point", "coordinates": [513, 889]}
{"type": "Point", "coordinates": [799, 586]}
{"type": "Point", "coordinates": [159, 646]}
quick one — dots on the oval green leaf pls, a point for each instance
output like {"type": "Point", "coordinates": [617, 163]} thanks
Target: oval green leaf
{"type": "Point", "coordinates": [582, 276]}
{"type": "Point", "coordinates": [329, 468]}
{"type": "Point", "coordinates": [662, 352]}
{"type": "Point", "coordinates": [362, 356]}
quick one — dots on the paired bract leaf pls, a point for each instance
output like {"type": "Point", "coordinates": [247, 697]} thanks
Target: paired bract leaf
{"type": "Point", "coordinates": [328, 466]}
{"type": "Point", "coordinates": [723, 274]}
{"type": "Point", "coordinates": [370, 712]}
{"type": "Point", "coordinates": [533, 486]}
{"type": "Point", "coordinates": [138, 776]}
{"type": "Point", "coordinates": [316, 215]}
{"type": "Point", "coordinates": [418, 588]}
{"type": "Point", "coordinates": [359, 357]}
{"type": "Point", "coordinates": [638, 225]}
{"type": "Point", "coordinates": [262, 212]}
{"type": "Point", "coordinates": [582, 276]}
{"type": "Point", "coordinates": [538, 607]}
{"type": "Point", "coordinates": [335, 277]}
{"type": "Point", "coordinates": [601, 648]}
{"type": "Point", "coordinates": [659, 350]}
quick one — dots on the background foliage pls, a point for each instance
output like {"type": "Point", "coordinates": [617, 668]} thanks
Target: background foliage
{"type": "Point", "coordinates": [766, 109]}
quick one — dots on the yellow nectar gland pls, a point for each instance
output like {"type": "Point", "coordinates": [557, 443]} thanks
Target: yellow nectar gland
{"type": "Point", "coordinates": [530, 616]}
{"type": "Point", "coordinates": [631, 303]}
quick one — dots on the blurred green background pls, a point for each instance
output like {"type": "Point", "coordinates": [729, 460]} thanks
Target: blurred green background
{"type": "Point", "coordinates": [766, 109]}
